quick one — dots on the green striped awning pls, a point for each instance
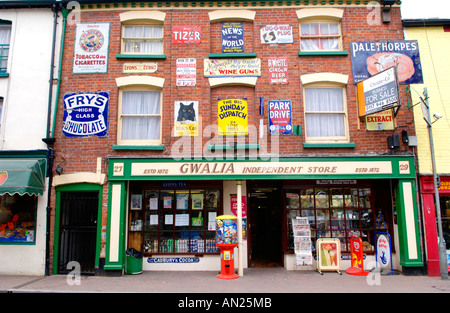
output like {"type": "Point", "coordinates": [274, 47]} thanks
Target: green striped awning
{"type": "Point", "coordinates": [22, 176]}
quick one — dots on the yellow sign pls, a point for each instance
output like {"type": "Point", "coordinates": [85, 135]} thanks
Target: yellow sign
{"type": "Point", "coordinates": [383, 120]}
{"type": "Point", "coordinates": [233, 117]}
{"type": "Point", "coordinates": [186, 118]}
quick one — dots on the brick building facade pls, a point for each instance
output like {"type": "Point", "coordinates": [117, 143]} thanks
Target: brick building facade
{"type": "Point", "coordinates": [346, 180]}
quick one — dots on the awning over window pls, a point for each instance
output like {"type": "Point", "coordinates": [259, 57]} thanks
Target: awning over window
{"type": "Point", "coordinates": [22, 176]}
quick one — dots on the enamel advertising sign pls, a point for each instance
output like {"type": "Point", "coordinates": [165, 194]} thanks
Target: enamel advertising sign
{"type": "Point", "coordinates": [186, 72]}
{"type": "Point", "coordinates": [232, 37]}
{"type": "Point", "coordinates": [233, 117]}
{"type": "Point", "coordinates": [280, 117]}
{"type": "Point", "coordinates": [185, 35]}
{"type": "Point", "coordinates": [232, 67]}
{"type": "Point", "coordinates": [91, 48]}
{"type": "Point", "coordinates": [273, 34]}
{"type": "Point", "coordinates": [371, 57]}
{"type": "Point", "coordinates": [278, 71]}
{"type": "Point", "coordinates": [86, 114]}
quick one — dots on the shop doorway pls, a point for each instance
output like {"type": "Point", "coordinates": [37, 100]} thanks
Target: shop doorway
{"type": "Point", "coordinates": [265, 220]}
{"type": "Point", "coordinates": [78, 231]}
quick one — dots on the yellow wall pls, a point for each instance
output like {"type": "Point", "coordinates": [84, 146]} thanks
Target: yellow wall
{"type": "Point", "coordinates": [434, 49]}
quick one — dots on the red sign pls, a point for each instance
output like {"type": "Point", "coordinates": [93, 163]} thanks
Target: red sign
{"type": "Point", "coordinates": [186, 35]}
{"type": "Point", "coordinates": [233, 200]}
{"type": "Point", "coordinates": [278, 70]}
{"type": "Point", "coordinates": [356, 252]}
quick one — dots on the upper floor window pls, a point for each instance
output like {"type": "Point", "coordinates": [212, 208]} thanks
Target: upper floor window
{"type": "Point", "coordinates": [142, 39]}
{"type": "Point", "coordinates": [320, 29]}
{"type": "Point", "coordinates": [142, 32]}
{"type": "Point", "coordinates": [5, 34]}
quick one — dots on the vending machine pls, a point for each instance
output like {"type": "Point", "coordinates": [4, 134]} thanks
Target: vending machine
{"type": "Point", "coordinates": [226, 241]}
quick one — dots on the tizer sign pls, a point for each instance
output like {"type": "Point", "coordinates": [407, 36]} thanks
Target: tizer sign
{"type": "Point", "coordinates": [186, 35]}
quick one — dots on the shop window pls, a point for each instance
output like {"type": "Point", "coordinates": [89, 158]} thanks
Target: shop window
{"type": "Point", "coordinates": [17, 219]}
{"type": "Point", "coordinates": [140, 117]}
{"type": "Point", "coordinates": [445, 218]}
{"type": "Point", "coordinates": [336, 213]}
{"type": "Point", "coordinates": [174, 221]}
{"type": "Point", "coordinates": [325, 114]}
{"type": "Point", "coordinates": [5, 34]}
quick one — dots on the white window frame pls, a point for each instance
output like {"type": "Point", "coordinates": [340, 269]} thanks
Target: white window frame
{"type": "Point", "coordinates": [135, 39]}
{"type": "Point", "coordinates": [319, 37]}
{"type": "Point", "coordinates": [327, 139]}
{"type": "Point", "coordinates": [136, 142]}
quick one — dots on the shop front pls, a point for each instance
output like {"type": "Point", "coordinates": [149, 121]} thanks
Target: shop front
{"type": "Point", "coordinates": [167, 209]}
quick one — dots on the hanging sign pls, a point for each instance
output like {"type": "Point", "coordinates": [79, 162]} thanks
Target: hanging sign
{"type": "Point", "coordinates": [185, 35]}
{"type": "Point", "coordinates": [91, 48]}
{"type": "Point", "coordinates": [278, 71]}
{"type": "Point", "coordinates": [383, 120]}
{"type": "Point", "coordinates": [233, 117]}
{"type": "Point", "coordinates": [232, 67]}
{"type": "Point", "coordinates": [280, 117]}
{"type": "Point", "coordinates": [370, 57]}
{"type": "Point", "coordinates": [233, 201]}
{"type": "Point", "coordinates": [357, 262]}
{"type": "Point", "coordinates": [273, 34]}
{"type": "Point", "coordinates": [378, 93]}
{"type": "Point", "coordinates": [232, 37]}
{"type": "Point", "coordinates": [85, 114]}
{"type": "Point", "coordinates": [186, 72]}
{"type": "Point", "coordinates": [186, 118]}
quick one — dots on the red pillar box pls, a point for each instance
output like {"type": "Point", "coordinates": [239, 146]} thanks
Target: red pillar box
{"type": "Point", "coordinates": [226, 241]}
{"type": "Point", "coordinates": [357, 262]}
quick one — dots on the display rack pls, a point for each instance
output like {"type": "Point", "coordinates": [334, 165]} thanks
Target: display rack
{"type": "Point", "coordinates": [302, 241]}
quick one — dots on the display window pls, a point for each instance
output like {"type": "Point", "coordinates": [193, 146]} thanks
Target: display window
{"type": "Point", "coordinates": [445, 218]}
{"type": "Point", "coordinates": [17, 219]}
{"type": "Point", "coordinates": [174, 220]}
{"type": "Point", "coordinates": [336, 213]}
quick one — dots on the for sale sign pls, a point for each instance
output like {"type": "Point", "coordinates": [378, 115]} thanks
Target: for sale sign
{"type": "Point", "coordinates": [280, 117]}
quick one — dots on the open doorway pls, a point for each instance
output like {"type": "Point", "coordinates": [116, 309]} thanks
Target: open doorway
{"type": "Point", "coordinates": [265, 215]}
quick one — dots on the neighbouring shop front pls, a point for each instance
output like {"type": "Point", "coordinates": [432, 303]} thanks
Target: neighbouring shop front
{"type": "Point", "coordinates": [23, 211]}
{"type": "Point", "coordinates": [166, 209]}
{"type": "Point", "coordinates": [430, 220]}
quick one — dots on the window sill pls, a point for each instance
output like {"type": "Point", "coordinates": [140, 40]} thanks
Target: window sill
{"type": "Point", "coordinates": [128, 147]}
{"type": "Point", "coordinates": [321, 53]}
{"type": "Point", "coordinates": [238, 146]}
{"type": "Point", "coordinates": [232, 55]}
{"type": "Point", "coordinates": [141, 56]}
{"type": "Point", "coordinates": [329, 145]}
{"type": "Point", "coordinates": [4, 74]}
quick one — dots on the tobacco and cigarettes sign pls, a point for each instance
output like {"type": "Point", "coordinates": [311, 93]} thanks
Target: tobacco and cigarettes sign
{"type": "Point", "coordinates": [280, 117]}
{"type": "Point", "coordinates": [273, 34]}
{"type": "Point", "coordinates": [91, 48]}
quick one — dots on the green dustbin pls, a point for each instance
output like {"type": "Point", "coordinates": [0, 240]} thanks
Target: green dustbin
{"type": "Point", "coordinates": [134, 261]}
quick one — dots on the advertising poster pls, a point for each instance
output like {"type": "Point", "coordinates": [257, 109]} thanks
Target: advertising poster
{"type": "Point", "coordinates": [273, 34]}
{"type": "Point", "coordinates": [186, 118]}
{"type": "Point", "coordinates": [328, 254]}
{"type": "Point", "coordinates": [232, 67]}
{"type": "Point", "coordinates": [233, 117]}
{"type": "Point", "coordinates": [85, 114]}
{"type": "Point", "coordinates": [233, 201]}
{"type": "Point", "coordinates": [280, 117]}
{"type": "Point", "coordinates": [371, 57]}
{"type": "Point", "coordinates": [186, 72]}
{"type": "Point", "coordinates": [232, 37]}
{"type": "Point", "coordinates": [383, 120]}
{"type": "Point", "coordinates": [186, 35]}
{"type": "Point", "coordinates": [91, 48]}
{"type": "Point", "coordinates": [278, 71]}
{"type": "Point", "coordinates": [378, 93]}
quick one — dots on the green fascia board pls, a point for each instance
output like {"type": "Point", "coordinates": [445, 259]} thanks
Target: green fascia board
{"type": "Point", "coordinates": [324, 53]}
{"type": "Point", "coordinates": [154, 148]}
{"type": "Point", "coordinates": [329, 145]}
{"type": "Point", "coordinates": [238, 147]}
{"type": "Point", "coordinates": [126, 162]}
{"type": "Point", "coordinates": [141, 56]}
{"type": "Point", "coordinates": [232, 55]}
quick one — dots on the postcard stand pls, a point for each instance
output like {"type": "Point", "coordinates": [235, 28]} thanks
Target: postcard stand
{"type": "Point", "coordinates": [302, 241]}
{"type": "Point", "coordinates": [328, 255]}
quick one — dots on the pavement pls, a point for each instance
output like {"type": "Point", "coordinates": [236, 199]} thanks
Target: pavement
{"type": "Point", "coordinates": [254, 281]}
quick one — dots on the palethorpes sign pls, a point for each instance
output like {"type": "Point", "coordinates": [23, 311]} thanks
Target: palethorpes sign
{"type": "Point", "coordinates": [86, 114]}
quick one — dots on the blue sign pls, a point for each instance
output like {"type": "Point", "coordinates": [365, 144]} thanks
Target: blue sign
{"type": "Point", "coordinates": [232, 37]}
{"type": "Point", "coordinates": [280, 117]}
{"type": "Point", "coordinates": [371, 57]}
{"type": "Point", "coordinates": [86, 114]}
